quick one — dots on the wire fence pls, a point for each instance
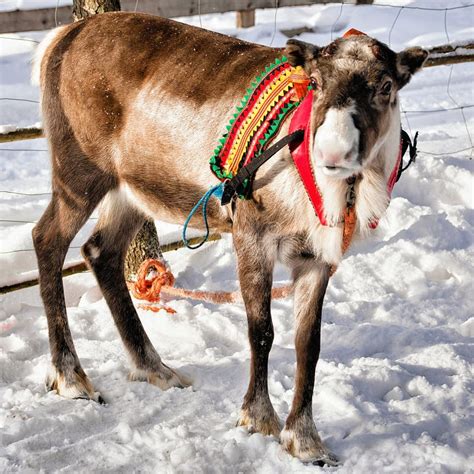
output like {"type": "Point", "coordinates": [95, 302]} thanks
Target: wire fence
{"type": "Point", "coordinates": [406, 114]}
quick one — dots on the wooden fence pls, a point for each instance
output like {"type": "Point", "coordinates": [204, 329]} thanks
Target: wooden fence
{"type": "Point", "coordinates": [47, 18]}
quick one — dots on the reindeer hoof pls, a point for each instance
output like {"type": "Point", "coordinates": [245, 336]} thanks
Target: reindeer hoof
{"type": "Point", "coordinates": [74, 384]}
{"type": "Point", "coordinates": [165, 377]}
{"type": "Point", "coordinates": [329, 460]}
{"type": "Point", "coordinates": [267, 424]}
{"type": "Point", "coordinates": [307, 447]}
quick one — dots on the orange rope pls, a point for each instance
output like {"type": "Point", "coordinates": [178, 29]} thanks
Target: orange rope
{"type": "Point", "coordinates": [154, 280]}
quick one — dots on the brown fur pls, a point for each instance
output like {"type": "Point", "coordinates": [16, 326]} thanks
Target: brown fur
{"type": "Point", "coordinates": [133, 106]}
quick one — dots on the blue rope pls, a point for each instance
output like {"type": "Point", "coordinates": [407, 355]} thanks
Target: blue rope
{"type": "Point", "coordinates": [215, 190]}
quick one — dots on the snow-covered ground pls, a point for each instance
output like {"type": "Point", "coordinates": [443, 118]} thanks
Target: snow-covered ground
{"type": "Point", "coordinates": [394, 383]}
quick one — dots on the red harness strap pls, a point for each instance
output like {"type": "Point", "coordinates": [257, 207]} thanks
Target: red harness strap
{"type": "Point", "coordinates": [301, 154]}
{"type": "Point", "coordinates": [394, 174]}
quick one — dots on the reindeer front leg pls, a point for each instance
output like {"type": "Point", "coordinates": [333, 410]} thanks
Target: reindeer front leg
{"type": "Point", "coordinates": [255, 264]}
{"type": "Point", "coordinates": [300, 436]}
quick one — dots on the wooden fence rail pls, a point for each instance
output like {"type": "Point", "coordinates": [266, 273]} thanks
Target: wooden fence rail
{"type": "Point", "coordinates": [47, 18]}
{"type": "Point", "coordinates": [27, 133]}
{"type": "Point", "coordinates": [82, 267]}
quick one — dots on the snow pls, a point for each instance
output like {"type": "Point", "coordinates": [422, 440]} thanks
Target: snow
{"type": "Point", "coordinates": [10, 5]}
{"type": "Point", "coordinates": [394, 383]}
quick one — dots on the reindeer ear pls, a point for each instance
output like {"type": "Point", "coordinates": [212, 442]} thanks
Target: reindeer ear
{"type": "Point", "coordinates": [409, 61]}
{"type": "Point", "coordinates": [299, 53]}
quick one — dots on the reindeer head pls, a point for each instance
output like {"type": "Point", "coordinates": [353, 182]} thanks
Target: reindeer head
{"type": "Point", "coordinates": [355, 109]}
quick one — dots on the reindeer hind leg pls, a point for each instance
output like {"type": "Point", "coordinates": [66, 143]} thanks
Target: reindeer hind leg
{"type": "Point", "coordinates": [65, 215]}
{"type": "Point", "coordinates": [105, 253]}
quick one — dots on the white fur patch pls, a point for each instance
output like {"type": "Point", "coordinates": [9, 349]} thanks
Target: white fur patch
{"type": "Point", "coordinates": [327, 242]}
{"type": "Point", "coordinates": [81, 388]}
{"type": "Point", "coordinates": [372, 198]}
{"type": "Point", "coordinates": [40, 52]}
{"type": "Point", "coordinates": [118, 200]}
{"type": "Point", "coordinates": [134, 199]}
{"type": "Point", "coordinates": [114, 204]}
{"type": "Point", "coordinates": [165, 378]}
{"type": "Point", "coordinates": [336, 143]}
{"type": "Point", "coordinates": [306, 450]}
{"type": "Point", "coordinates": [94, 251]}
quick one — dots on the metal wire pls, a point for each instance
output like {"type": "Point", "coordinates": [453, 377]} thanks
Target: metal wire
{"type": "Point", "coordinates": [25, 194]}
{"type": "Point", "coordinates": [16, 99]}
{"type": "Point", "coordinates": [19, 39]}
{"type": "Point", "coordinates": [393, 26]}
{"type": "Point", "coordinates": [199, 13]}
{"type": "Point", "coordinates": [23, 149]}
{"type": "Point", "coordinates": [448, 86]}
{"type": "Point", "coordinates": [20, 221]}
{"type": "Point", "coordinates": [274, 23]}
{"type": "Point", "coordinates": [32, 250]}
{"type": "Point", "coordinates": [431, 111]}
{"type": "Point", "coordinates": [56, 13]}
{"type": "Point", "coordinates": [337, 19]}
{"type": "Point", "coordinates": [469, 148]}
{"type": "Point", "coordinates": [410, 7]}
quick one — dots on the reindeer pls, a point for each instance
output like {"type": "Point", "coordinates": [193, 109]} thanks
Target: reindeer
{"type": "Point", "coordinates": [133, 106]}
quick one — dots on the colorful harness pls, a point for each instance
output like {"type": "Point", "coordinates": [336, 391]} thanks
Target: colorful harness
{"type": "Point", "coordinates": [269, 100]}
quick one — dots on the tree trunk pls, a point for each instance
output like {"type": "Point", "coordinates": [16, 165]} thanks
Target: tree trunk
{"type": "Point", "coordinates": [86, 8]}
{"type": "Point", "coordinates": [146, 244]}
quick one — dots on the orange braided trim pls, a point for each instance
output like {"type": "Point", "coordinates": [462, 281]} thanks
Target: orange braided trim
{"type": "Point", "coordinates": [350, 221]}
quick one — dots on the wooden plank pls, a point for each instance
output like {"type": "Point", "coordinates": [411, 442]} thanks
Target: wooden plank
{"type": "Point", "coordinates": [46, 18]}
{"type": "Point", "coordinates": [177, 8]}
{"type": "Point", "coordinates": [78, 268]}
{"type": "Point", "coordinates": [449, 59]}
{"type": "Point", "coordinates": [34, 20]}
{"type": "Point", "coordinates": [450, 54]}
{"type": "Point", "coordinates": [21, 134]}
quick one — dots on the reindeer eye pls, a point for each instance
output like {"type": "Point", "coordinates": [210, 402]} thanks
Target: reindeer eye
{"type": "Point", "coordinates": [387, 88]}
{"type": "Point", "coordinates": [314, 83]}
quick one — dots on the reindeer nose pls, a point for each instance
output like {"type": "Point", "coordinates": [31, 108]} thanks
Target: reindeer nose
{"type": "Point", "coordinates": [331, 157]}
{"type": "Point", "coordinates": [336, 142]}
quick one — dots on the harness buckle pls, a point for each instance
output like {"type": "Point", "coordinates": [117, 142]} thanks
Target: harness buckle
{"type": "Point", "coordinates": [350, 192]}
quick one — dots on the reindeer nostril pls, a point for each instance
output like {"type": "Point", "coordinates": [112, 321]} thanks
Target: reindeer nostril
{"type": "Point", "coordinates": [350, 155]}
{"type": "Point", "coordinates": [330, 160]}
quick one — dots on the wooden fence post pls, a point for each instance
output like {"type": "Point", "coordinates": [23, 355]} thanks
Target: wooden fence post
{"type": "Point", "coordinates": [245, 18]}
